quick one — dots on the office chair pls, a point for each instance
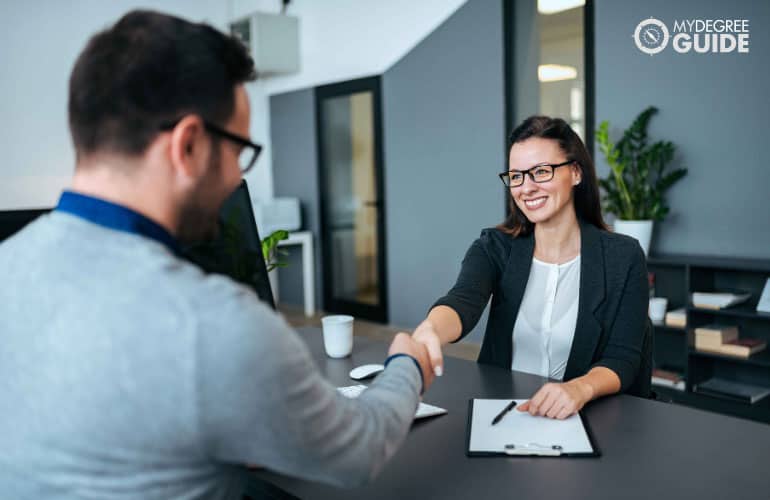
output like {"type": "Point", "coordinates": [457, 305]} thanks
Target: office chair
{"type": "Point", "coordinates": [642, 385]}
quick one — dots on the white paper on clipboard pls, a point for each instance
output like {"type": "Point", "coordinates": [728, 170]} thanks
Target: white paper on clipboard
{"type": "Point", "coordinates": [520, 433]}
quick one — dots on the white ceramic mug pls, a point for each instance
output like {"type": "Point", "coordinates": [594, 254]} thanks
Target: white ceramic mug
{"type": "Point", "coordinates": [338, 335]}
{"type": "Point", "coordinates": [658, 308]}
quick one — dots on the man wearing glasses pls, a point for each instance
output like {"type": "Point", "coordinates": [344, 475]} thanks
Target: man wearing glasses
{"type": "Point", "coordinates": [125, 371]}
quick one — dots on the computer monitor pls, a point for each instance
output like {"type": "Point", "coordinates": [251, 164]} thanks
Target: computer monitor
{"type": "Point", "coordinates": [12, 221]}
{"type": "Point", "coordinates": [237, 251]}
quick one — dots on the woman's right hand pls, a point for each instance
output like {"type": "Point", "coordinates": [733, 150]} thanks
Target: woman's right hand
{"type": "Point", "coordinates": [426, 334]}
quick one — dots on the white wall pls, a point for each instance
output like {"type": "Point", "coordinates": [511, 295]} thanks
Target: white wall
{"type": "Point", "coordinates": [40, 39]}
{"type": "Point", "coordinates": [339, 40]}
{"type": "Point", "coordinates": [39, 42]}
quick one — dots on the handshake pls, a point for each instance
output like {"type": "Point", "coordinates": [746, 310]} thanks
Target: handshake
{"type": "Point", "coordinates": [556, 400]}
{"type": "Point", "coordinates": [424, 346]}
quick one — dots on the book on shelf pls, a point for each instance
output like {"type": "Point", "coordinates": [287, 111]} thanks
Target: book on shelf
{"type": "Point", "coordinates": [713, 300]}
{"type": "Point", "coordinates": [667, 378]}
{"type": "Point", "coordinates": [764, 300]}
{"type": "Point", "coordinates": [741, 348]}
{"type": "Point", "coordinates": [730, 389]}
{"type": "Point", "coordinates": [714, 335]}
{"type": "Point", "coordinates": [676, 318]}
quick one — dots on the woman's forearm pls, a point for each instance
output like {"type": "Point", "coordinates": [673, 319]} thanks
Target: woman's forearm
{"type": "Point", "coordinates": [560, 400]}
{"type": "Point", "coordinates": [599, 381]}
{"type": "Point", "coordinates": [445, 322]}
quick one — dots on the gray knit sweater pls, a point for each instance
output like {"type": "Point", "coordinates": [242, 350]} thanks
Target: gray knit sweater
{"type": "Point", "coordinates": [127, 373]}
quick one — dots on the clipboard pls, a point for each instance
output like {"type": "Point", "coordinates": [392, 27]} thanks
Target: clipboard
{"type": "Point", "coordinates": [519, 434]}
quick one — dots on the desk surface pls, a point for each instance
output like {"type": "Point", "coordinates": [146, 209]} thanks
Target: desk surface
{"type": "Point", "coordinates": [649, 449]}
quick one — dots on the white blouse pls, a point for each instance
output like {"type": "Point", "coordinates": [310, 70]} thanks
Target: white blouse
{"type": "Point", "coordinates": [545, 326]}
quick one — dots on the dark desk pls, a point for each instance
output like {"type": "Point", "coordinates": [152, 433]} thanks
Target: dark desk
{"type": "Point", "coordinates": [650, 450]}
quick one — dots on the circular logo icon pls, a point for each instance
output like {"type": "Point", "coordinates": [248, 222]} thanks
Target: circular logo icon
{"type": "Point", "coordinates": [651, 36]}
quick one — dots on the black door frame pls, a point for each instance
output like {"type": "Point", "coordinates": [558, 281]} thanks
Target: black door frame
{"type": "Point", "coordinates": [589, 60]}
{"type": "Point", "coordinates": [379, 312]}
{"type": "Point", "coordinates": [509, 77]}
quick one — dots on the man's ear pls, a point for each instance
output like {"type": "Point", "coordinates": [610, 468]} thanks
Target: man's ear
{"type": "Point", "coordinates": [187, 146]}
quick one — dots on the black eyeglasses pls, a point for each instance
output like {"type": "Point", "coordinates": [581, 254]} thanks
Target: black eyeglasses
{"type": "Point", "coordinates": [538, 173]}
{"type": "Point", "coordinates": [249, 150]}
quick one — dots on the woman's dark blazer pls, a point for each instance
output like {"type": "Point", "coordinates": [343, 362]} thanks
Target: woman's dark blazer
{"type": "Point", "coordinates": [611, 329]}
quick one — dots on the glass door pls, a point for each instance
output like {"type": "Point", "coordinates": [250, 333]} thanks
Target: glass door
{"type": "Point", "coordinates": [352, 209]}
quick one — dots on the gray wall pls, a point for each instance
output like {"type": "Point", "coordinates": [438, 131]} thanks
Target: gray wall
{"type": "Point", "coordinates": [295, 173]}
{"type": "Point", "coordinates": [714, 107]}
{"type": "Point", "coordinates": [443, 132]}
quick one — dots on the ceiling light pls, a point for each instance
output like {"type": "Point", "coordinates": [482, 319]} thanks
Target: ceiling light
{"type": "Point", "coordinates": [555, 72]}
{"type": "Point", "coordinates": [554, 6]}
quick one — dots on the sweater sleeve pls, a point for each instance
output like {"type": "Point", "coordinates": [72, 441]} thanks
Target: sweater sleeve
{"type": "Point", "coordinates": [473, 288]}
{"type": "Point", "coordinates": [263, 401]}
{"type": "Point", "coordinates": [623, 352]}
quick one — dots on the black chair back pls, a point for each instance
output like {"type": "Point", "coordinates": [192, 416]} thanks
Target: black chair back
{"type": "Point", "coordinates": [642, 385]}
{"type": "Point", "coordinates": [12, 221]}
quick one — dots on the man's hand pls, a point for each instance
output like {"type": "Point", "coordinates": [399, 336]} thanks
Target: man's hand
{"type": "Point", "coordinates": [426, 335]}
{"type": "Point", "coordinates": [555, 400]}
{"type": "Point", "coordinates": [404, 344]}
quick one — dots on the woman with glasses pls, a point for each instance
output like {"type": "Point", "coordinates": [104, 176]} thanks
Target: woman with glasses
{"type": "Point", "coordinates": [569, 297]}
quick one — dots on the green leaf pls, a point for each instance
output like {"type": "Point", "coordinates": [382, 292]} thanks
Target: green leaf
{"type": "Point", "coordinates": [270, 250]}
{"type": "Point", "coordinates": [636, 183]}
{"type": "Point", "coordinates": [670, 179]}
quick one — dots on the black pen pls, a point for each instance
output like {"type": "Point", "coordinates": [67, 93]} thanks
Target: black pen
{"type": "Point", "coordinates": [500, 415]}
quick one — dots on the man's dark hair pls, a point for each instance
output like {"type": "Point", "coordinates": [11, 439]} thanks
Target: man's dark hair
{"type": "Point", "coordinates": [147, 70]}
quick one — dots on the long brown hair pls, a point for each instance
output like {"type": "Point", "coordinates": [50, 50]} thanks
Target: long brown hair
{"type": "Point", "coordinates": [585, 195]}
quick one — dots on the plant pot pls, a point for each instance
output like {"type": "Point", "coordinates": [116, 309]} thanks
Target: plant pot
{"type": "Point", "coordinates": [639, 229]}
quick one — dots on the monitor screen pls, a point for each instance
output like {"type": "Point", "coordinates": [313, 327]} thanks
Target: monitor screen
{"type": "Point", "coordinates": [11, 221]}
{"type": "Point", "coordinates": [237, 251]}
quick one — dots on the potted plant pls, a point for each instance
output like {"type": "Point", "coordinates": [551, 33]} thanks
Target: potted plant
{"type": "Point", "coordinates": [634, 189]}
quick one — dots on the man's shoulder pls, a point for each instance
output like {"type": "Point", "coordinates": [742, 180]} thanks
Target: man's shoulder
{"type": "Point", "coordinates": [215, 296]}
{"type": "Point", "coordinates": [215, 290]}
{"type": "Point", "coordinates": [141, 265]}
{"type": "Point", "coordinates": [28, 234]}
{"type": "Point", "coordinates": [231, 320]}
